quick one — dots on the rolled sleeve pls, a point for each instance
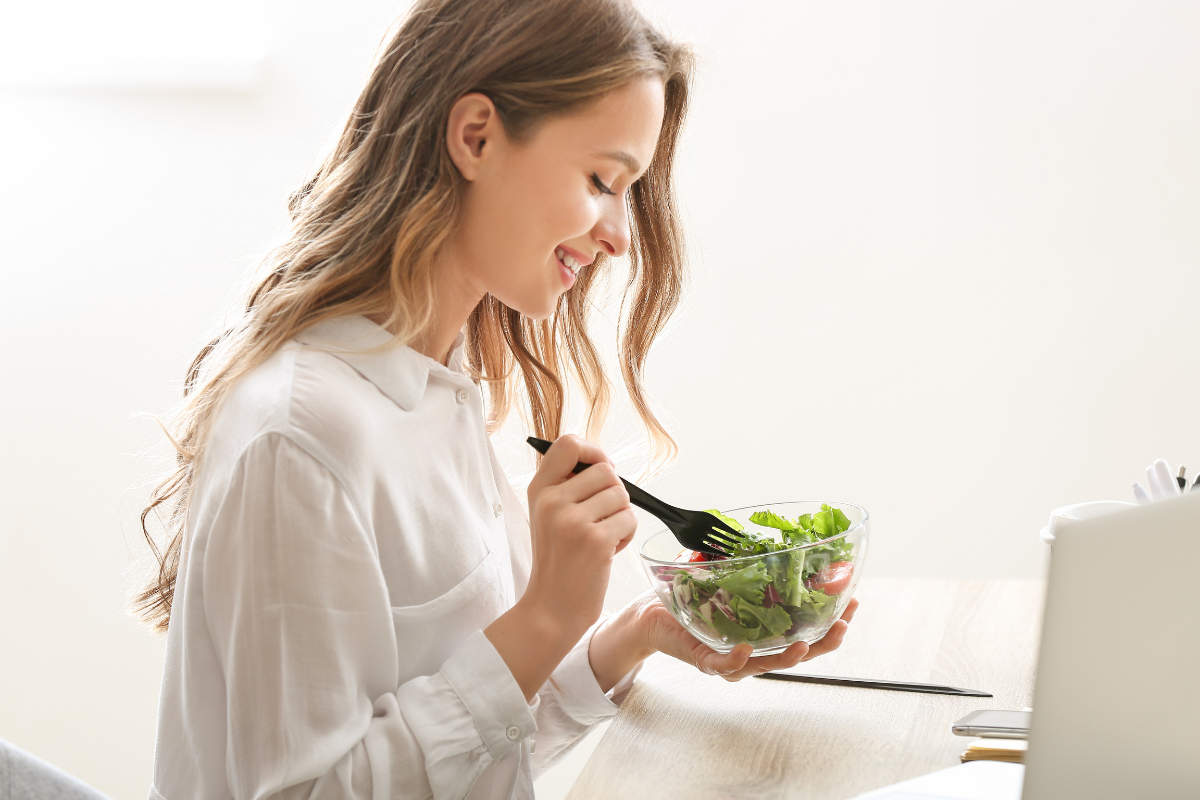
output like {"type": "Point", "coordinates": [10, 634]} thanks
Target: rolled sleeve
{"type": "Point", "coordinates": [573, 703]}
{"type": "Point", "coordinates": [469, 715]}
{"type": "Point", "coordinates": [576, 691]}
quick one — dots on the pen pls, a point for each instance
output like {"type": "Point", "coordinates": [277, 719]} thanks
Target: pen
{"type": "Point", "coordinates": [1181, 480]}
{"type": "Point", "coordinates": [869, 683]}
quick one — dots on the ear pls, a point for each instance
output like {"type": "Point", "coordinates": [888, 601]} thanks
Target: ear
{"type": "Point", "coordinates": [473, 133]}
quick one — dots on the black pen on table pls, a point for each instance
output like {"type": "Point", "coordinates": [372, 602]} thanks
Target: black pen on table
{"type": "Point", "coordinates": [873, 683]}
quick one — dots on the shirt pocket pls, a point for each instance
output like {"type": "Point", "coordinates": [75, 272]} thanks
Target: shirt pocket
{"type": "Point", "coordinates": [427, 634]}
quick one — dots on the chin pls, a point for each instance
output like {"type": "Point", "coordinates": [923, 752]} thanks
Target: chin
{"type": "Point", "coordinates": [538, 309]}
{"type": "Point", "coordinates": [541, 313]}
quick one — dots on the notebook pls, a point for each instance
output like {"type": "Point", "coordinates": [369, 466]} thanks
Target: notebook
{"type": "Point", "coordinates": [988, 749]}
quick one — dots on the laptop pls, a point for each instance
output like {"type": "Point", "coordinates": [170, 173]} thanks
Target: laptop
{"type": "Point", "coordinates": [1117, 701]}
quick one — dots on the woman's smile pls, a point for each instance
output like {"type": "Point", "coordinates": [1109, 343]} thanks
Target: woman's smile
{"type": "Point", "coordinates": [569, 263]}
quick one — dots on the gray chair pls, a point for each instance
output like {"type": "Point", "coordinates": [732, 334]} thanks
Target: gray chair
{"type": "Point", "coordinates": [26, 777]}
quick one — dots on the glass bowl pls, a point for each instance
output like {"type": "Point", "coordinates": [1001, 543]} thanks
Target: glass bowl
{"type": "Point", "coordinates": [769, 600]}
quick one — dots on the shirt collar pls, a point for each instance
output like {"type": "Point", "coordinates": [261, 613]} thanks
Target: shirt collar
{"type": "Point", "coordinates": [398, 371]}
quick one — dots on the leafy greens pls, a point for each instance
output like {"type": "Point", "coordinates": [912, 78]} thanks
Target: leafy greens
{"type": "Point", "coordinates": [776, 595]}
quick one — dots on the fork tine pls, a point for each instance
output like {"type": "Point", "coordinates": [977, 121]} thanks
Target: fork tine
{"type": "Point", "coordinates": [718, 524]}
{"type": "Point", "coordinates": [719, 538]}
{"type": "Point", "coordinates": [716, 534]}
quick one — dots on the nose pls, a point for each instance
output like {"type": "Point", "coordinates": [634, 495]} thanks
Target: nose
{"type": "Point", "coordinates": [612, 229]}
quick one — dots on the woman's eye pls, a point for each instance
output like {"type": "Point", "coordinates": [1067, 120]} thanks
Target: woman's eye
{"type": "Point", "coordinates": [603, 189]}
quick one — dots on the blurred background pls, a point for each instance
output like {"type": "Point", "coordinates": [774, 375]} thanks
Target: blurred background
{"type": "Point", "coordinates": [946, 265]}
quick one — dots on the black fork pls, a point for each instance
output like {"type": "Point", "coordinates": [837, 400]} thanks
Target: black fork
{"type": "Point", "coordinates": [695, 530]}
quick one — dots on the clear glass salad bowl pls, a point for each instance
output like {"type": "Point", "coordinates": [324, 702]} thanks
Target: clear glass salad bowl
{"type": "Point", "coordinates": [794, 578]}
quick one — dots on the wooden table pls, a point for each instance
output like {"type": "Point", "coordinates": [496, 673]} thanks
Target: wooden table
{"type": "Point", "coordinates": [682, 734]}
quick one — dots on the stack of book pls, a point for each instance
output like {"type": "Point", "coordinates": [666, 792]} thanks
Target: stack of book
{"type": "Point", "coordinates": [986, 749]}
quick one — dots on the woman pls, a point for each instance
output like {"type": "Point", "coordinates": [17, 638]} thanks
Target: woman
{"type": "Point", "coordinates": [357, 605]}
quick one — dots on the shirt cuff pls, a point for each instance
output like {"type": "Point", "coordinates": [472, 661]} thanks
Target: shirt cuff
{"type": "Point", "coordinates": [491, 694]}
{"type": "Point", "coordinates": [578, 693]}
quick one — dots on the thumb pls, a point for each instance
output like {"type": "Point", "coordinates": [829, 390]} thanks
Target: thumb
{"type": "Point", "coordinates": [714, 663]}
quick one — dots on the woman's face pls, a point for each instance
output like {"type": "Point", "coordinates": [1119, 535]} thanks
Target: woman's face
{"type": "Point", "coordinates": [537, 212]}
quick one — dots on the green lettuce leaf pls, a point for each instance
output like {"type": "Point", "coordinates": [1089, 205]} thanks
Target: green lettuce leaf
{"type": "Point", "coordinates": [752, 543]}
{"type": "Point", "coordinates": [816, 608]}
{"type": "Point", "coordinates": [843, 522]}
{"type": "Point", "coordinates": [769, 519]}
{"type": "Point", "coordinates": [830, 522]}
{"type": "Point", "coordinates": [732, 630]}
{"type": "Point", "coordinates": [787, 576]}
{"type": "Point", "coordinates": [774, 620]}
{"type": "Point", "coordinates": [817, 599]}
{"type": "Point", "coordinates": [747, 583]}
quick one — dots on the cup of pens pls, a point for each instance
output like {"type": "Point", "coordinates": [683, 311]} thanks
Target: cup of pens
{"type": "Point", "coordinates": [1162, 483]}
{"type": "Point", "coordinates": [791, 576]}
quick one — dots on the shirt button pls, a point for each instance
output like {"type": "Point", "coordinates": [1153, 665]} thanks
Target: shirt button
{"type": "Point", "coordinates": [497, 509]}
{"type": "Point", "coordinates": [462, 396]}
{"type": "Point", "coordinates": [513, 733]}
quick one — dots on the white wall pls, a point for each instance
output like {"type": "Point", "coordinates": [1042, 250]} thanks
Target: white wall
{"type": "Point", "coordinates": [946, 260]}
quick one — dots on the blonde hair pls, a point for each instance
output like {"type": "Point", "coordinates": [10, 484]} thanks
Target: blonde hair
{"type": "Point", "coordinates": [367, 227]}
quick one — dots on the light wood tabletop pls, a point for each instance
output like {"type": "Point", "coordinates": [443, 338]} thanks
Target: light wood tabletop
{"type": "Point", "coordinates": [681, 734]}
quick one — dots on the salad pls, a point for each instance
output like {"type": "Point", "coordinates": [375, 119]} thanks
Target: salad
{"type": "Point", "coordinates": [784, 593]}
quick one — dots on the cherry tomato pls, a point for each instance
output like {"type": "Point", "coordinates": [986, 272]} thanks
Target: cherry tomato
{"type": "Point", "coordinates": [698, 556]}
{"type": "Point", "coordinates": [833, 579]}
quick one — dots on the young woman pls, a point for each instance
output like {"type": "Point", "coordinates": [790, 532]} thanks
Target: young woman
{"type": "Point", "coordinates": [357, 604]}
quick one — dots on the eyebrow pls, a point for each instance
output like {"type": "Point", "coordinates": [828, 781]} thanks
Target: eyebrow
{"type": "Point", "coordinates": [629, 161]}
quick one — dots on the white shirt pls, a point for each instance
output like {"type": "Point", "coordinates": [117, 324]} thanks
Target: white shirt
{"type": "Point", "coordinates": [349, 537]}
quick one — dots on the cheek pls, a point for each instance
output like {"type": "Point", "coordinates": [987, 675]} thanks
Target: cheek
{"type": "Point", "coordinates": [554, 206]}
{"type": "Point", "coordinates": [514, 224]}
{"type": "Point", "coordinates": [531, 217]}
{"type": "Point", "coordinates": [574, 215]}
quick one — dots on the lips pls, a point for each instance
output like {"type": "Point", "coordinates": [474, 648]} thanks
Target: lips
{"type": "Point", "coordinates": [568, 260]}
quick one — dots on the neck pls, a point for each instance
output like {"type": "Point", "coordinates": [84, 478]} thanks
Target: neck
{"type": "Point", "coordinates": [454, 298]}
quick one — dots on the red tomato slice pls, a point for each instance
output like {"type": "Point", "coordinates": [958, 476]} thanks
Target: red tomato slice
{"type": "Point", "coordinates": [698, 556]}
{"type": "Point", "coordinates": [834, 579]}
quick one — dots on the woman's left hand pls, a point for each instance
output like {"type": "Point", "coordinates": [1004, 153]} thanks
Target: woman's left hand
{"type": "Point", "coordinates": [652, 626]}
{"type": "Point", "coordinates": [665, 634]}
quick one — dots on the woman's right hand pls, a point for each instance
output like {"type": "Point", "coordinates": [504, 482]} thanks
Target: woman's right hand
{"type": "Point", "coordinates": [578, 522]}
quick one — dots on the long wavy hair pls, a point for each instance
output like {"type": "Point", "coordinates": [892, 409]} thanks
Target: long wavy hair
{"type": "Point", "coordinates": [368, 226]}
